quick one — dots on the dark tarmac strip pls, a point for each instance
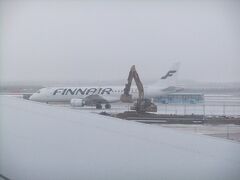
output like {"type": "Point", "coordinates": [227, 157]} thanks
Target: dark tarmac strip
{"type": "Point", "coordinates": [3, 177]}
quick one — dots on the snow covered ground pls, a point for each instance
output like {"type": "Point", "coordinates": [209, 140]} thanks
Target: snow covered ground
{"type": "Point", "coordinates": [40, 141]}
{"type": "Point", "coordinates": [227, 131]}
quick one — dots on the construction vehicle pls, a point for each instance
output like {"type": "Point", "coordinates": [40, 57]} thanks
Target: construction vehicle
{"type": "Point", "coordinates": [142, 105]}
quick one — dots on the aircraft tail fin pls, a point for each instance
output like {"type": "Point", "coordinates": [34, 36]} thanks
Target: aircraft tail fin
{"type": "Point", "coordinates": [170, 78]}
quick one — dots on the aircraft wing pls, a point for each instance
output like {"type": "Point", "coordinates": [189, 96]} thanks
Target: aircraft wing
{"type": "Point", "coordinates": [40, 141]}
{"type": "Point", "coordinates": [172, 89]}
{"type": "Point", "coordinates": [94, 99]}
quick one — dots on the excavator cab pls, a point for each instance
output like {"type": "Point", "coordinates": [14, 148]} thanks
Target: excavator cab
{"type": "Point", "coordinates": [144, 105]}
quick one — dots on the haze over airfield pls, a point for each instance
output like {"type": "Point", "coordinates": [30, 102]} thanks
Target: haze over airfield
{"type": "Point", "coordinates": [79, 40]}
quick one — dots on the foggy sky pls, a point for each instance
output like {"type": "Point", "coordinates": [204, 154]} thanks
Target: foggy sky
{"type": "Point", "coordinates": [78, 40]}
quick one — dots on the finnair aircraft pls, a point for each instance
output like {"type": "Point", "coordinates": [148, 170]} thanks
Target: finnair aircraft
{"type": "Point", "coordinates": [96, 96]}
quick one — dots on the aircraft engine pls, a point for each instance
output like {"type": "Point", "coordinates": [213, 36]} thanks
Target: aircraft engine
{"type": "Point", "coordinates": [77, 102]}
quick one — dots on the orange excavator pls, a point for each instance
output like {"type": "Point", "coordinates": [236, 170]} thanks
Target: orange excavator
{"type": "Point", "coordinates": [143, 104]}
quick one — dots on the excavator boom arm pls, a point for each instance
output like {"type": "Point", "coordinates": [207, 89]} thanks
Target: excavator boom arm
{"type": "Point", "coordinates": [134, 75]}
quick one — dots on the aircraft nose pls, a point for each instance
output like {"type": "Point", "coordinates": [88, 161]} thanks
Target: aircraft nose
{"type": "Point", "coordinates": [31, 97]}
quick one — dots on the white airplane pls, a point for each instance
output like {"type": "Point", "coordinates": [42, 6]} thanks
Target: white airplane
{"type": "Point", "coordinates": [96, 96]}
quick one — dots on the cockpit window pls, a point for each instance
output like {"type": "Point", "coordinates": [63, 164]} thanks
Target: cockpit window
{"type": "Point", "coordinates": [38, 91]}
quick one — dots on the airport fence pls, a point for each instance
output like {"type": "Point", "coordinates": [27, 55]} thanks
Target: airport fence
{"type": "Point", "coordinates": [200, 109]}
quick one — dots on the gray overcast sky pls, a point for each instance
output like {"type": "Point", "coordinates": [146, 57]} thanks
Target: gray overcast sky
{"type": "Point", "coordinates": [100, 40]}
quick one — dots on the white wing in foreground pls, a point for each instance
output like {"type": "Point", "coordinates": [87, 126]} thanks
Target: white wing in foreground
{"type": "Point", "coordinates": [39, 141]}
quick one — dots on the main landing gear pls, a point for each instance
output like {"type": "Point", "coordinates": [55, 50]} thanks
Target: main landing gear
{"type": "Point", "coordinates": [99, 106]}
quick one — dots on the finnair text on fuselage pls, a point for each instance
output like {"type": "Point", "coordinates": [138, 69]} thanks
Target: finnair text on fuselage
{"type": "Point", "coordinates": [82, 91]}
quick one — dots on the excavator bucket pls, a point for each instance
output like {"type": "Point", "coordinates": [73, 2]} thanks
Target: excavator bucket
{"type": "Point", "coordinates": [126, 98]}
